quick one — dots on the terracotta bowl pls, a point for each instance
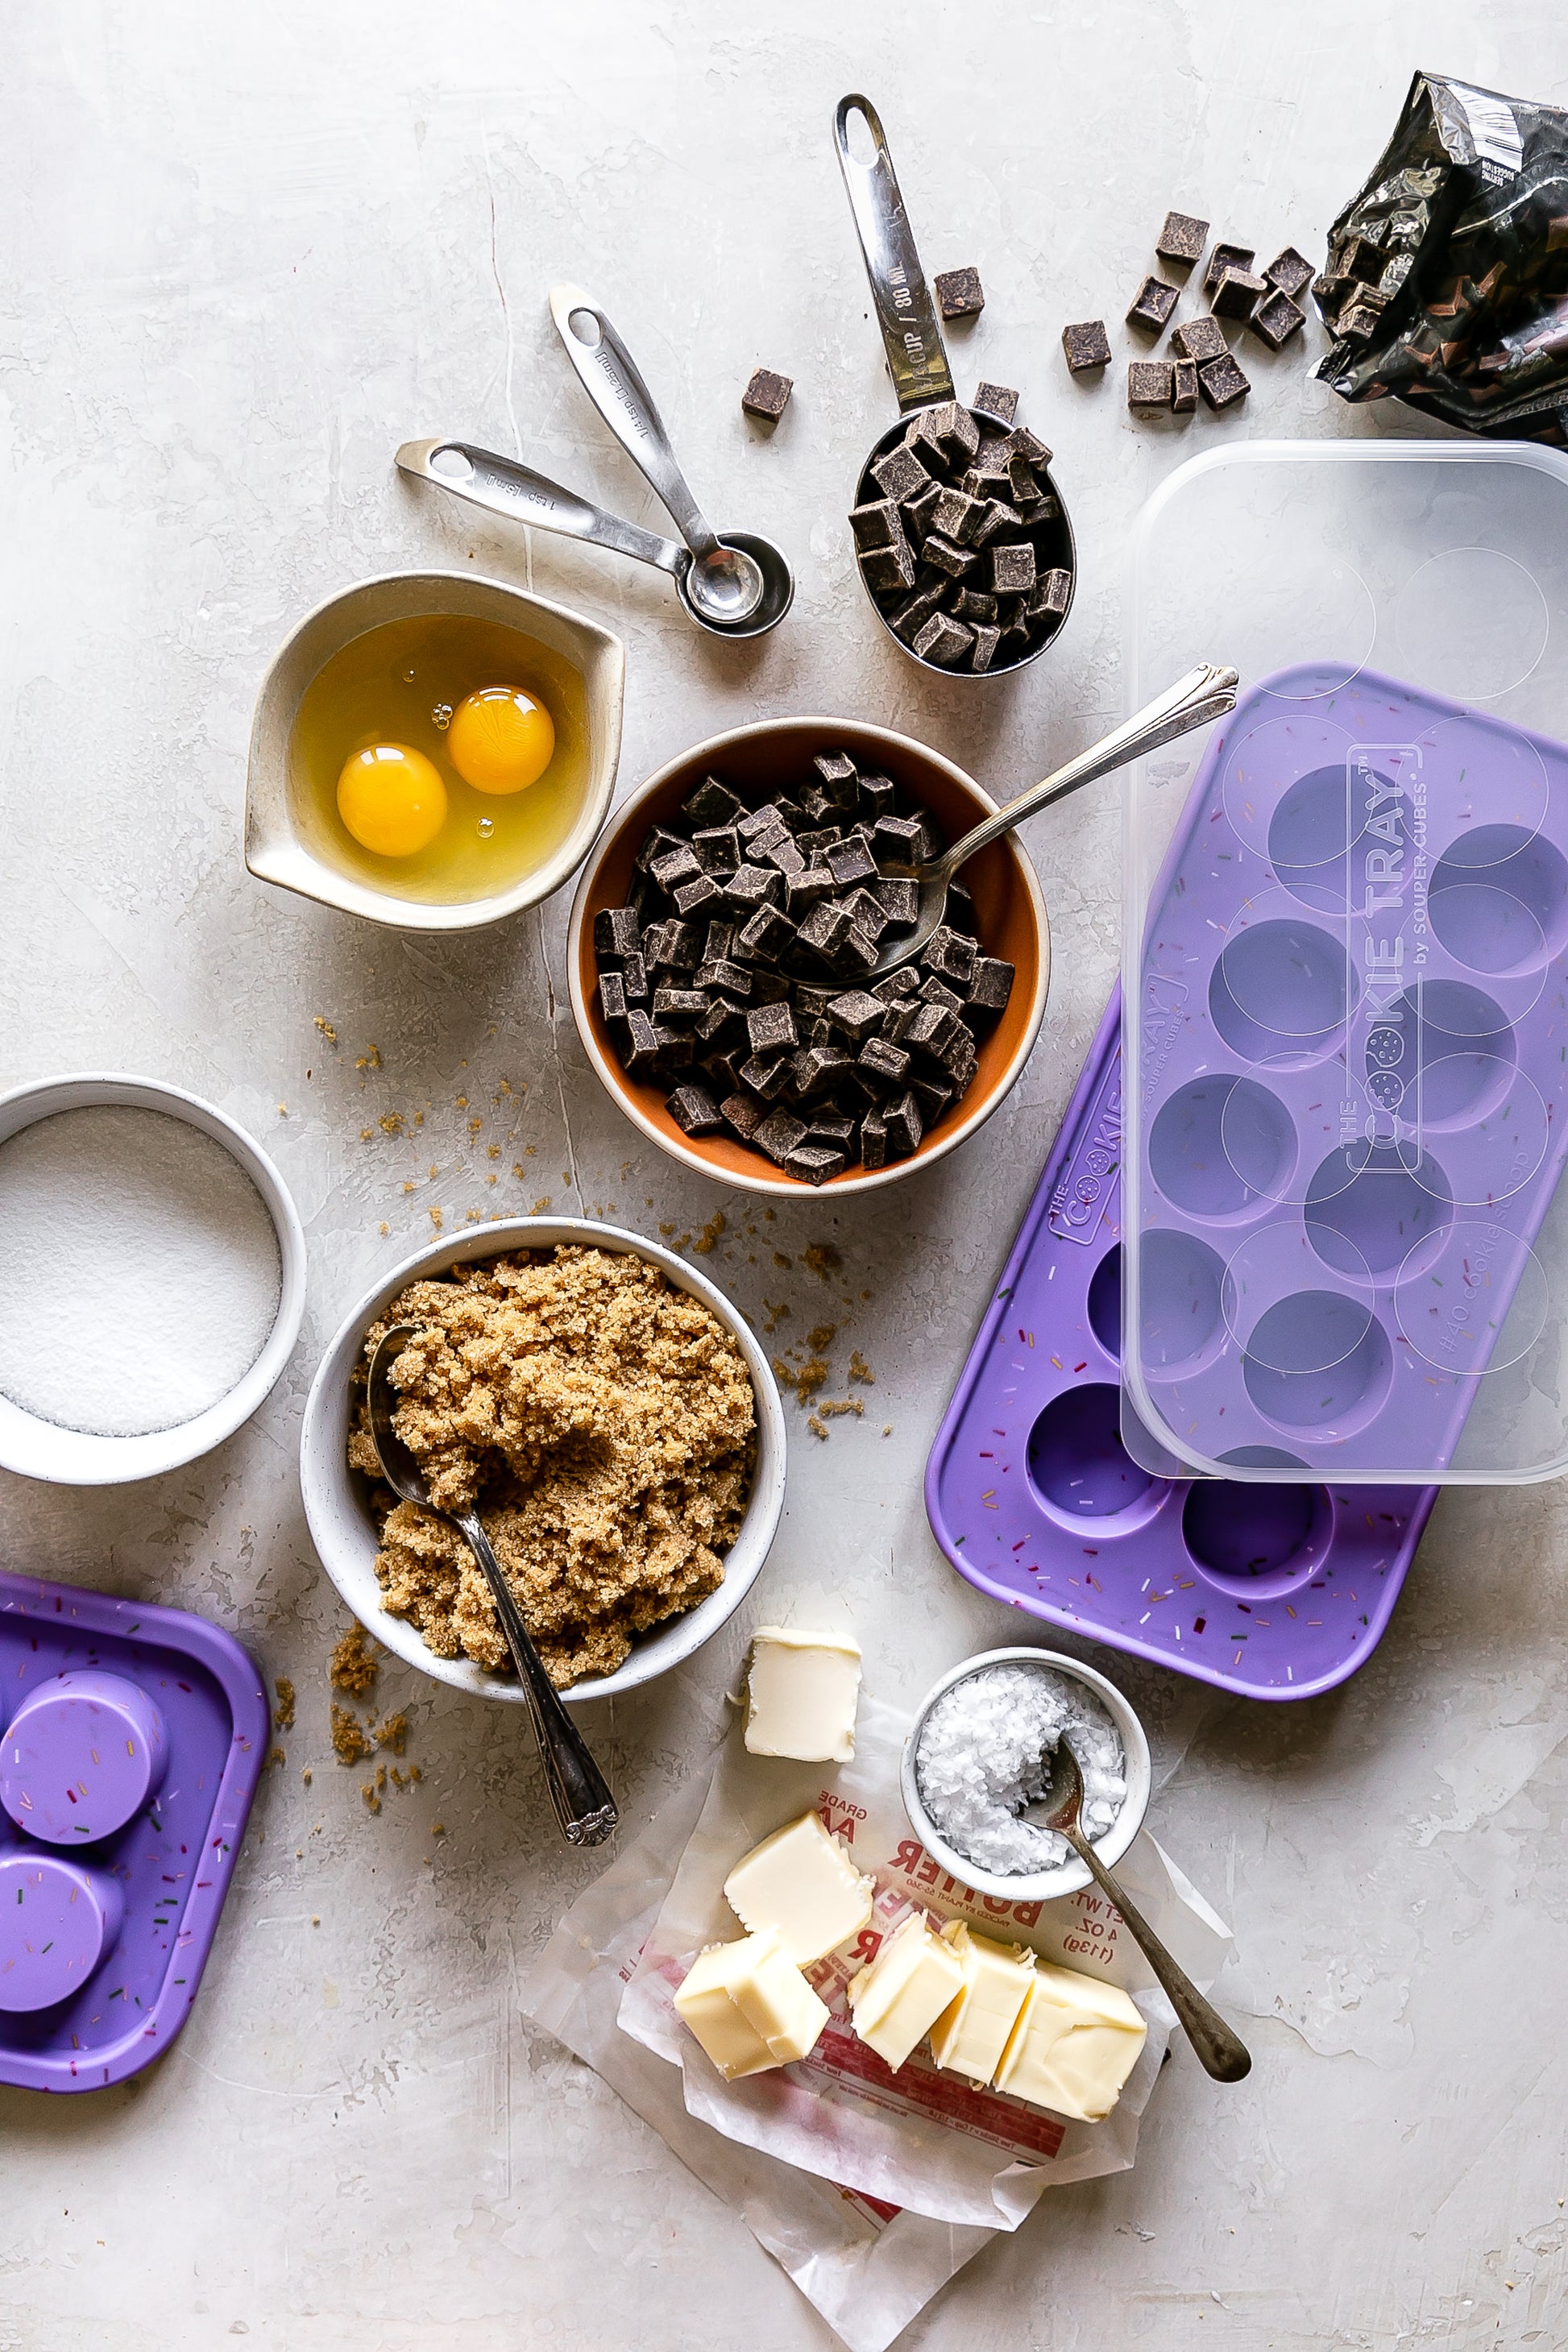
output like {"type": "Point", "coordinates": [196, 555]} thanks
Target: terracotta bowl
{"type": "Point", "coordinates": [766, 758]}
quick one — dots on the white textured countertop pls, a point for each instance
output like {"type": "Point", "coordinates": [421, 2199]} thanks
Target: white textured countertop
{"type": "Point", "coordinates": [246, 254]}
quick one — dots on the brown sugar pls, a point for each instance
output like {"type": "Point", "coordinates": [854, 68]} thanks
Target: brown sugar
{"type": "Point", "coordinates": [600, 1421]}
{"type": "Point", "coordinates": [283, 1713]}
{"type": "Point", "coordinates": [349, 1741]}
{"type": "Point", "coordinates": [353, 1664]}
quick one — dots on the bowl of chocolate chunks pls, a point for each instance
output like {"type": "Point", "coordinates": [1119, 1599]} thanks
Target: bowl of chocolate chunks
{"type": "Point", "coordinates": [722, 952]}
{"type": "Point", "coordinates": [961, 541]}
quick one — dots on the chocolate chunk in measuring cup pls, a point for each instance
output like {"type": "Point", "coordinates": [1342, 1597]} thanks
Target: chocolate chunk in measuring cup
{"type": "Point", "coordinates": [81, 1756]}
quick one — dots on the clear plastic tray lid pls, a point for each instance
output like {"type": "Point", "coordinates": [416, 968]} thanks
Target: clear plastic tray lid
{"type": "Point", "coordinates": [1346, 978]}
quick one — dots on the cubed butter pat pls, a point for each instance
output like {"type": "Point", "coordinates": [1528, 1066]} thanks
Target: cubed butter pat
{"type": "Point", "coordinates": [801, 1883]}
{"type": "Point", "coordinates": [800, 1695]}
{"type": "Point", "coordinates": [898, 1999]}
{"type": "Point", "coordinates": [750, 2007]}
{"type": "Point", "coordinates": [1074, 2046]}
{"type": "Point", "coordinates": [972, 2032]}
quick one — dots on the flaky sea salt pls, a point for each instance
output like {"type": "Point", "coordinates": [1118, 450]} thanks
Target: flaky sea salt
{"type": "Point", "coordinates": [983, 1756]}
{"type": "Point", "coordinates": [138, 1271]}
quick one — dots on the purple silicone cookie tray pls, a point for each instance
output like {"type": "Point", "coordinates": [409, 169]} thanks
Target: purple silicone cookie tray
{"type": "Point", "coordinates": [131, 1739]}
{"type": "Point", "coordinates": [1351, 1034]}
{"type": "Point", "coordinates": [1278, 1591]}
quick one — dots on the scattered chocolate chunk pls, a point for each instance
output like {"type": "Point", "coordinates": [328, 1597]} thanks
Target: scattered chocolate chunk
{"type": "Point", "coordinates": [1277, 319]}
{"type": "Point", "coordinates": [1086, 346]}
{"type": "Point", "coordinates": [944, 640]}
{"type": "Point", "coordinates": [946, 555]}
{"type": "Point", "coordinates": [1358, 322]}
{"type": "Point", "coordinates": [771, 1028]}
{"type": "Point", "coordinates": [990, 986]}
{"type": "Point", "coordinates": [900, 474]}
{"type": "Point", "coordinates": [1222, 382]}
{"type": "Point", "coordinates": [1152, 304]}
{"type": "Point", "coordinates": [1012, 567]}
{"type": "Point", "coordinates": [878, 523]}
{"type": "Point", "coordinates": [616, 932]}
{"type": "Point", "coordinates": [1235, 294]}
{"type": "Point", "coordinates": [1052, 594]}
{"type": "Point", "coordinates": [767, 395]}
{"type": "Point", "coordinates": [959, 294]}
{"type": "Point", "coordinates": [711, 804]}
{"type": "Point", "coordinates": [1182, 239]}
{"type": "Point", "coordinates": [996, 400]}
{"type": "Point", "coordinates": [1289, 271]}
{"type": "Point", "coordinates": [887, 568]}
{"type": "Point", "coordinates": [1185, 386]}
{"type": "Point", "coordinates": [986, 640]}
{"type": "Point", "coordinates": [1224, 257]}
{"type": "Point", "coordinates": [901, 1117]}
{"type": "Point", "coordinates": [1149, 383]}
{"type": "Point", "coordinates": [780, 1134]}
{"type": "Point", "coordinates": [1361, 259]}
{"type": "Point", "coordinates": [743, 1113]}
{"type": "Point", "coordinates": [694, 1110]}
{"type": "Point", "coordinates": [974, 605]}
{"type": "Point", "coordinates": [612, 1004]}
{"type": "Point", "coordinates": [1201, 338]}
{"type": "Point", "coordinates": [701, 891]}
{"type": "Point", "coordinates": [815, 1163]}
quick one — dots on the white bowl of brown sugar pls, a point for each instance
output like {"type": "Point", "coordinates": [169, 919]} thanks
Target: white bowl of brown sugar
{"type": "Point", "coordinates": [613, 1417]}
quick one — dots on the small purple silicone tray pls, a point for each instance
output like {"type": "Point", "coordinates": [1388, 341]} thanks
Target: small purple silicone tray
{"type": "Point", "coordinates": [1276, 1590]}
{"type": "Point", "coordinates": [131, 1739]}
{"type": "Point", "coordinates": [1350, 1068]}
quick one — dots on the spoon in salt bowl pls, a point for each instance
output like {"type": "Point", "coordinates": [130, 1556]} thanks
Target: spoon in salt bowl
{"type": "Point", "coordinates": [1205, 693]}
{"type": "Point", "coordinates": [1220, 2052]}
{"type": "Point", "coordinates": [578, 1790]}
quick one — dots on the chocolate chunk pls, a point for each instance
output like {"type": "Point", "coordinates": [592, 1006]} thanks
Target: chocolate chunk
{"type": "Point", "coordinates": [1331, 292]}
{"type": "Point", "coordinates": [694, 1110]}
{"type": "Point", "coordinates": [933, 990]}
{"type": "Point", "coordinates": [611, 997]}
{"type": "Point", "coordinates": [947, 557]}
{"type": "Point", "coordinates": [1149, 383]}
{"type": "Point", "coordinates": [900, 900]}
{"type": "Point", "coordinates": [974, 605]}
{"type": "Point", "coordinates": [679, 1004]}
{"type": "Point", "coordinates": [897, 985]}
{"type": "Point", "coordinates": [1222, 382]}
{"type": "Point", "coordinates": [634, 980]}
{"type": "Point", "coordinates": [943, 641]}
{"type": "Point", "coordinates": [1224, 257]}
{"type": "Point", "coordinates": [986, 640]}
{"type": "Point", "coordinates": [1086, 346]}
{"type": "Point", "coordinates": [900, 475]}
{"type": "Point", "coordinates": [955, 431]}
{"type": "Point", "coordinates": [951, 955]}
{"type": "Point", "coordinates": [1185, 386]}
{"type": "Point", "coordinates": [1152, 304]}
{"type": "Point", "coordinates": [770, 987]}
{"type": "Point", "coordinates": [721, 1072]}
{"type": "Point", "coordinates": [712, 803]}
{"type": "Point", "coordinates": [859, 1015]}
{"type": "Point", "coordinates": [883, 1060]}
{"type": "Point", "coordinates": [902, 1120]}
{"type": "Point", "coordinates": [1357, 322]}
{"type": "Point", "coordinates": [884, 569]}
{"type": "Point", "coordinates": [996, 400]}
{"type": "Point", "coordinates": [823, 928]}
{"type": "Point", "coordinates": [1235, 294]}
{"type": "Point", "coordinates": [743, 1114]}
{"type": "Point", "coordinates": [658, 844]}
{"type": "Point", "coordinates": [1182, 239]}
{"type": "Point", "coordinates": [767, 395]}
{"type": "Point", "coordinates": [850, 862]}
{"type": "Point", "coordinates": [917, 513]}
{"type": "Point", "coordinates": [839, 778]}
{"type": "Point", "coordinates": [1361, 259]}
{"type": "Point", "coordinates": [815, 1163]}
{"type": "Point", "coordinates": [675, 866]}
{"type": "Point", "coordinates": [990, 985]}
{"type": "Point", "coordinates": [617, 932]}
{"type": "Point", "coordinates": [718, 850]}
{"type": "Point", "coordinates": [953, 514]}
{"type": "Point", "coordinates": [873, 1141]}
{"type": "Point", "coordinates": [780, 1133]}
{"type": "Point", "coordinates": [878, 523]}
{"type": "Point", "coordinates": [877, 794]}
{"type": "Point", "coordinates": [679, 948]}
{"type": "Point", "coordinates": [782, 855]}
{"type": "Point", "coordinates": [640, 1052]}
{"type": "Point", "coordinates": [1012, 567]}
{"type": "Point", "coordinates": [932, 1096]}
{"type": "Point", "coordinates": [825, 1123]}
{"type": "Point", "coordinates": [1199, 339]}
{"type": "Point", "coordinates": [816, 1068]}
{"type": "Point", "coordinates": [771, 1028]}
{"type": "Point", "coordinates": [867, 914]}
{"type": "Point", "coordinates": [1289, 271]}
{"type": "Point", "coordinates": [751, 886]}
{"type": "Point", "coordinates": [897, 841]}
{"type": "Point", "coordinates": [1277, 319]}
{"type": "Point", "coordinates": [757, 824]}
{"type": "Point", "coordinates": [703, 890]}
{"type": "Point", "coordinates": [765, 936]}
{"type": "Point", "coordinates": [723, 1023]}
{"type": "Point", "coordinates": [803, 891]}
{"type": "Point", "coordinates": [958, 293]}
{"type": "Point", "coordinates": [766, 1073]}
{"type": "Point", "coordinates": [907, 619]}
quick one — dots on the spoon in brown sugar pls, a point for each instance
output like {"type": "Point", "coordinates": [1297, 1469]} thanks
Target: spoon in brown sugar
{"type": "Point", "coordinates": [578, 1790]}
{"type": "Point", "coordinates": [1220, 2052]}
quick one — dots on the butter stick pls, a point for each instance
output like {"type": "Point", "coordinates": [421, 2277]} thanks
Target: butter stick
{"type": "Point", "coordinates": [1075, 2042]}
{"type": "Point", "coordinates": [971, 2034]}
{"type": "Point", "coordinates": [801, 1883]}
{"type": "Point", "coordinates": [897, 2000]}
{"type": "Point", "coordinates": [800, 1695]}
{"type": "Point", "coordinates": [750, 2007]}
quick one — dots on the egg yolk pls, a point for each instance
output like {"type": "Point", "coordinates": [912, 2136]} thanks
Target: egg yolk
{"type": "Point", "coordinates": [501, 738]}
{"type": "Point", "coordinates": [392, 799]}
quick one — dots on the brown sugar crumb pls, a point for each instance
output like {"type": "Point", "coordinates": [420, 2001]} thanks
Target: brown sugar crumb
{"type": "Point", "coordinates": [804, 1378]}
{"type": "Point", "coordinates": [283, 1713]}
{"type": "Point", "coordinates": [603, 1425]}
{"type": "Point", "coordinates": [833, 1408]}
{"type": "Point", "coordinates": [821, 1258]}
{"type": "Point", "coordinates": [305, 1775]}
{"type": "Point", "coordinates": [775, 1315]}
{"type": "Point", "coordinates": [860, 1369]}
{"type": "Point", "coordinates": [822, 1337]}
{"type": "Point", "coordinates": [371, 1061]}
{"type": "Point", "coordinates": [710, 1234]}
{"type": "Point", "coordinates": [390, 1122]}
{"type": "Point", "coordinates": [326, 1028]}
{"type": "Point", "coordinates": [353, 1664]}
{"type": "Point", "coordinates": [367, 1791]}
{"type": "Point", "coordinates": [780, 1259]}
{"type": "Point", "coordinates": [349, 1742]}
{"type": "Point", "coordinates": [887, 1429]}
{"type": "Point", "coordinates": [274, 1756]}
{"type": "Point", "coordinates": [392, 1733]}
{"type": "Point", "coordinates": [817, 1427]}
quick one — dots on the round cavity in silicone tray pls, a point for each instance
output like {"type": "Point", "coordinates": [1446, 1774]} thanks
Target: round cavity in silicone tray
{"type": "Point", "coordinates": [1477, 1304]}
{"type": "Point", "coordinates": [1181, 1286]}
{"type": "Point", "coordinates": [1318, 1362]}
{"type": "Point", "coordinates": [80, 1756]}
{"type": "Point", "coordinates": [58, 1920]}
{"type": "Point", "coordinates": [1498, 899]}
{"type": "Point", "coordinates": [1080, 1470]}
{"type": "Point", "coordinates": [1221, 1146]}
{"type": "Point", "coordinates": [1445, 1051]}
{"type": "Point", "coordinates": [1475, 617]}
{"type": "Point", "coordinates": [1257, 1541]}
{"type": "Point", "coordinates": [1312, 834]}
{"type": "Point", "coordinates": [1367, 1208]}
{"type": "Point", "coordinates": [1463, 790]}
{"type": "Point", "coordinates": [1281, 990]}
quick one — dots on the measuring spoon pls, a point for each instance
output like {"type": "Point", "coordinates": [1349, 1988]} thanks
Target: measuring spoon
{"type": "Point", "coordinates": [504, 487]}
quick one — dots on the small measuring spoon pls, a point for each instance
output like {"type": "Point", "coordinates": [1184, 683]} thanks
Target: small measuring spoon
{"type": "Point", "coordinates": [1220, 2051]}
{"type": "Point", "coordinates": [725, 583]}
{"type": "Point", "coordinates": [504, 487]}
{"type": "Point", "coordinates": [581, 1795]}
{"type": "Point", "coordinates": [1205, 693]}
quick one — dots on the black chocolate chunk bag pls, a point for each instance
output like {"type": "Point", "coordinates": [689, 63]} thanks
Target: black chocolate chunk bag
{"type": "Point", "coordinates": [1447, 282]}
{"type": "Point", "coordinates": [764, 1022]}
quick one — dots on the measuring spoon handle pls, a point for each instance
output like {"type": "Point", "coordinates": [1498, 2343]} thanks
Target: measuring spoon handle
{"type": "Point", "coordinates": [579, 1792]}
{"type": "Point", "coordinates": [613, 383]}
{"type": "Point", "coordinates": [1221, 2053]}
{"type": "Point", "coordinates": [905, 311]}
{"type": "Point", "coordinates": [503, 486]}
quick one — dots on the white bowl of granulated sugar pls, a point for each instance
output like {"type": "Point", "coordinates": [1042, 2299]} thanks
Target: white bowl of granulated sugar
{"type": "Point", "coordinates": [979, 1750]}
{"type": "Point", "coordinates": [152, 1278]}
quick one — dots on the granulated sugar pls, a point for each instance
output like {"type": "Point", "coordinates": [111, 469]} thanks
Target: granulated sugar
{"type": "Point", "coordinates": [138, 1271]}
{"type": "Point", "coordinates": [979, 1762]}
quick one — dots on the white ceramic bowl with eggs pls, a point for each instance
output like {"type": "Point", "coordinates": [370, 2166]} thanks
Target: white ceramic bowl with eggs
{"type": "Point", "coordinates": [1039, 1887]}
{"type": "Point", "coordinates": [35, 1448]}
{"type": "Point", "coordinates": [337, 1498]}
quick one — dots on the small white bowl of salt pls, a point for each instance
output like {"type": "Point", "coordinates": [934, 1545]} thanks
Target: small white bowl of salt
{"type": "Point", "coordinates": [980, 1751]}
{"type": "Point", "coordinates": [152, 1278]}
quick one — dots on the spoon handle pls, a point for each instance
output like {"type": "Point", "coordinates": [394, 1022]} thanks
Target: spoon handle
{"type": "Point", "coordinates": [578, 1790]}
{"type": "Point", "coordinates": [1205, 693]}
{"type": "Point", "coordinates": [905, 312]}
{"type": "Point", "coordinates": [503, 486]}
{"type": "Point", "coordinates": [613, 383]}
{"type": "Point", "coordinates": [1220, 2051]}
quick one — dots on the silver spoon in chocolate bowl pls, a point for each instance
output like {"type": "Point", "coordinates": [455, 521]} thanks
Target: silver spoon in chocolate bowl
{"type": "Point", "coordinates": [1205, 693]}
{"type": "Point", "coordinates": [1220, 2052]}
{"type": "Point", "coordinates": [578, 1790]}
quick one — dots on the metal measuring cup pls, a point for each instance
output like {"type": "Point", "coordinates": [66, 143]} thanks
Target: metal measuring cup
{"type": "Point", "coordinates": [917, 356]}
